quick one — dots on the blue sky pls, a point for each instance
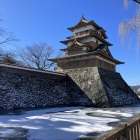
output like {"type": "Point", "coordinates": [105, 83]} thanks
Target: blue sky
{"type": "Point", "coordinates": [35, 21]}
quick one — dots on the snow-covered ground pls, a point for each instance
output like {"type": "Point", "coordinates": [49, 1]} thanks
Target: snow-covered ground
{"type": "Point", "coordinates": [65, 123]}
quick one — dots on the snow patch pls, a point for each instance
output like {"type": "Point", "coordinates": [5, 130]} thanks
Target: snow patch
{"type": "Point", "coordinates": [6, 132]}
{"type": "Point", "coordinates": [62, 123]}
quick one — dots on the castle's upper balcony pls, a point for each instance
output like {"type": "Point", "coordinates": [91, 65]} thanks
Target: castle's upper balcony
{"type": "Point", "coordinates": [85, 33]}
{"type": "Point", "coordinates": [80, 34]}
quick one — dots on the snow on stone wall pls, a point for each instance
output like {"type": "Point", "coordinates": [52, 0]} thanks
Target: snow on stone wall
{"type": "Point", "coordinates": [103, 87]}
{"type": "Point", "coordinates": [23, 91]}
{"type": "Point", "coordinates": [88, 79]}
{"type": "Point", "coordinates": [82, 86]}
{"type": "Point", "coordinates": [117, 90]}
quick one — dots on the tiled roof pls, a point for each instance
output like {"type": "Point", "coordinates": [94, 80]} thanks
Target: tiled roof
{"type": "Point", "coordinates": [82, 22]}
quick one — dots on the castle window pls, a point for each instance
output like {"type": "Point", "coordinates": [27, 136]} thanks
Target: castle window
{"type": "Point", "coordinates": [96, 41]}
{"type": "Point", "coordinates": [112, 67]}
{"type": "Point", "coordinates": [69, 63]}
{"type": "Point", "coordinates": [86, 62]}
{"type": "Point", "coordinates": [99, 34]}
{"type": "Point", "coordinates": [108, 65]}
{"type": "Point", "coordinates": [100, 62]}
{"type": "Point", "coordinates": [77, 63]}
{"type": "Point", "coordinates": [63, 64]}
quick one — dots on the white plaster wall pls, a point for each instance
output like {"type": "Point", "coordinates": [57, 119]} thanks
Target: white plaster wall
{"type": "Point", "coordinates": [69, 43]}
{"type": "Point", "coordinates": [84, 48]}
{"type": "Point", "coordinates": [84, 28]}
{"type": "Point", "coordinates": [91, 39]}
{"type": "Point", "coordinates": [100, 42]}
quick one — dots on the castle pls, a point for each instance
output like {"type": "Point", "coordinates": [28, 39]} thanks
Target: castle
{"type": "Point", "coordinates": [90, 64]}
{"type": "Point", "coordinates": [86, 75]}
{"type": "Point", "coordinates": [87, 47]}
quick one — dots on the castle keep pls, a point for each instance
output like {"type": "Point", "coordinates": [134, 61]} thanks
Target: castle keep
{"type": "Point", "coordinates": [87, 47]}
{"type": "Point", "coordinates": [90, 64]}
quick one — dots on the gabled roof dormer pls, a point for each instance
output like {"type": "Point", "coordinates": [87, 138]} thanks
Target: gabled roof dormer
{"type": "Point", "coordinates": [83, 22]}
{"type": "Point", "coordinates": [104, 49]}
{"type": "Point", "coordinates": [76, 44]}
{"type": "Point", "coordinates": [102, 33]}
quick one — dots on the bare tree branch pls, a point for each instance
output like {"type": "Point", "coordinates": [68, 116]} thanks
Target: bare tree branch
{"type": "Point", "coordinates": [37, 55]}
{"type": "Point", "coordinates": [8, 58]}
{"type": "Point", "coordinates": [129, 29]}
{"type": "Point", "coordinates": [6, 37]}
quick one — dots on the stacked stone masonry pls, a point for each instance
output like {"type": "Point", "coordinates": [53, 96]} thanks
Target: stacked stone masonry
{"type": "Point", "coordinates": [105, 88]}
{"type": "Point", "coordinates": [19, 90]}
{"type": "Point", "coordinates": [82, 86]}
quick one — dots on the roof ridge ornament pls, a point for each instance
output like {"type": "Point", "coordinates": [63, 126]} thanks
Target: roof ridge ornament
{"type": "Point", "coordinates": [83, 18]}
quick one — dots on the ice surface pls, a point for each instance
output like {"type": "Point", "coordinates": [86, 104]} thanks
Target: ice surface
{"type": "Point", "coordinates": [65, 122]}
{"type": "Point", "coordinates": [6, 132]}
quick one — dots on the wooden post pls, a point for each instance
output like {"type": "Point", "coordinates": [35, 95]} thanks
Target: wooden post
{"type": "Point", "coordinates": [127, 132]}
{"type": "Point", "coordinates": [126, 135]}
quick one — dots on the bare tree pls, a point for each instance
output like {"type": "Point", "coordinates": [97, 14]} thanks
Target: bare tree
{"type": "Point", "coordinates": [37, 55]}
{"type": "Point", "coordinates": [8, 58]}
{"type": "Point", "coordinates": [126, 2]}
{"type": "Point", "coordinates": [130, 29]}
{"type": "Point", "coordinates": [6, 37]}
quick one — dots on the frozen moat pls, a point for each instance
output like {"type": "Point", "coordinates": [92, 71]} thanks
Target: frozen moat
{"type": "Point", "coordinates": [63, 123]}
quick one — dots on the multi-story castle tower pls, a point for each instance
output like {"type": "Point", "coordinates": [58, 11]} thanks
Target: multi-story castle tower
{"type": "Point", "coordinates": [90, 65]}
{"type": "Point", "coordinates": [87, 47]}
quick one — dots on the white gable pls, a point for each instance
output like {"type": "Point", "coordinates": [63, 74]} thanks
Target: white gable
{"type": "Point", "coordinates": [89, 39]}
{"type": "Point", "coordinates": [69, 43]}
{"type": "Point", "coordinates": [87, 27]}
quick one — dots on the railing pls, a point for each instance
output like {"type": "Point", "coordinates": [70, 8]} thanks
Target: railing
{"type": "Point", "coordinates": [80, 34]}
{"type": "Point", "coordinates": [124, 131]}
{"type": "Point", "coordinates": [83, 33]}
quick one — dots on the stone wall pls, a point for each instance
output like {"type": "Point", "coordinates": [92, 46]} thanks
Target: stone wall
{"type": "Point", "coordinates": [13, 69]}
{"type": "Point", "coordinates": [117, 90]}
{"type": "Point", "coordinates": [22, 91]}
{"type": "Point", "coordinates": [26, 88]}
{"type": "Point", "coordinates": [105, 88]}
{"type": "Point", "coordinates": [77, 95]}
{"type": "Point", "coordinates": [23, 88]}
